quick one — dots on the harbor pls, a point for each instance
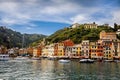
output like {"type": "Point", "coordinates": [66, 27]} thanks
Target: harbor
{"type": "Point", "coordinates": [60, 40]}
{"type": "Point", "coordinates": [45, 69]}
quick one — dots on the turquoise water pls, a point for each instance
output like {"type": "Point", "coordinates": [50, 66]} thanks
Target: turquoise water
{"type": "Point", "coordinates": [53, 70]}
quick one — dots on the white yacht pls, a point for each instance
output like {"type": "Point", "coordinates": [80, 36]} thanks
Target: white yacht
{"type": "Point", "coordinates": [4, 57]}
{"type": "Point", "coordinates": [64, 61]}
{"type": "Point", "coordinates": [35, 58]}
{"type": "Point", "coordinates": [86, 61]}
{"type": "Point", "coordinates": [21, 58]}
{"type": "Point", "coordinates": [108, 60]}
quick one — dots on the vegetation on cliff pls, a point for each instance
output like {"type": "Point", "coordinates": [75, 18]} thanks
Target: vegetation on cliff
{"type": "Point", "coordinates": [10, 38]}
{"type": "Point", "coordinates": [78, 34]}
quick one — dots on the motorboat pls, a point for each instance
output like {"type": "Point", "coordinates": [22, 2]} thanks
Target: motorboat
{"type": "Point", "coordinates": [52, 57]}
{"type": "Point", "coordinates": [64, 61]}
{"type": "Point", "coordinates": [4, 57]}
{"type": "Point", "coordinates": [117, 61]}
{"type": "Point", "coordinates": [35, 58]}
{"type": "Point", "coordinates": [21, 58]}
{"type": "Point", "coordinates": [108, 60]}
{"type": "Point", "coordinates": [86, 61]}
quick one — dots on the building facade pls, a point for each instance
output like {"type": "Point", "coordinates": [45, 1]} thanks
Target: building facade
{"type": "Point", "coordinates": [108, 35]}
{"type": "Point", "coordinates": [85, 49]}
{"type": "Point", "coordinates": [37, 51]}
{"type": "Point", "coordinates": [90, 26]}
{"type": "Point", "coordinates": [73, 51]}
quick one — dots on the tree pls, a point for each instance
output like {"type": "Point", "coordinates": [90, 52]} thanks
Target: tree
{"type": "Point", "coordinates": [115, 26]}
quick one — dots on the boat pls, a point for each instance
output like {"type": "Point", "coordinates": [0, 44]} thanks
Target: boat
{"type": "Point", "coordinates": [35, 58]}
{"type": "Point", "coordinates": [64, 61]}
{"type": "Point", "coordinates": [4, 57]}
{"type": "Point", "coordinates": [117, 61]}
{"type": "Point", "coordinates": [52, 57]}
{"type": "Point", "coordinates": [86, 61]}
{"type": "Point", "coordinates": [21, 58]}
{"type": "Point", "coordinates": [108, 60]}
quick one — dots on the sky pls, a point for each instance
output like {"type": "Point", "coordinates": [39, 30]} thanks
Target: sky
{"type": "Point", "coordinates": [48, 16]}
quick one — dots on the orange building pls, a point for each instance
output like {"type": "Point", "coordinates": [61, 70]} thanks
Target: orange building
{"type": "Point", "coordinates": [96, 50]}
{"type": "Point", "coordinates": [22, 51]}
{"type": "Point", "coordinates": [100, 53]}
{"type": "Point", "coordinates": [37, 51]}
{"type": "Point", "coordinates": [55, 49]}
{"type": "Point", "coordinates": [108, 54]}
{"type": "Point", "coordinates": [3, 50]}
{"type": "Point", "coordinates": [68, 42]}
{"type": "Point", "coordinates": [30, 51]}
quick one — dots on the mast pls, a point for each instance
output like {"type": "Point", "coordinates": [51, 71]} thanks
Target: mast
{"type": "Point", "coordinates": [23, 41]}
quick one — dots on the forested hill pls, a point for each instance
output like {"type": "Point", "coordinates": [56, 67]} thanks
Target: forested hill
{"type": "Point", "coordinates": [78, 34]}
{"type": "Point", "coordinates": [10, 38]}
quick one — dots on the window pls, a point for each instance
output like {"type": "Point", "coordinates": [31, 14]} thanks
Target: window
{"type": "Point", "coordinates": [86, 51]}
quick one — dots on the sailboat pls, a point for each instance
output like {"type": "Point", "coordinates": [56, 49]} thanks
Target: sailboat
{"type": "Point", "coordinates": [23, 54]}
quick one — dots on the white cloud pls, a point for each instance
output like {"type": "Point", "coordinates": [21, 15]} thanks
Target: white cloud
{"type": "Point", "coordinates": [8, 7]}
{"type": "Point", "coordinates": [78, 18]}
{"type": "Point", "coordinates": [66, 11]}
{"type": "Point", "coordinates": [28, 28]}
{"type": "Point", "coordinates": [116, 16]}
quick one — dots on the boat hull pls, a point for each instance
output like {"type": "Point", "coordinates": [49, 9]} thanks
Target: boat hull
{"type": "Point", "coordinates": [86, 61]}
{"type": "Point", "coordinates": [4, 57]}
{"type": "Point", "coordinates": [64, 61]}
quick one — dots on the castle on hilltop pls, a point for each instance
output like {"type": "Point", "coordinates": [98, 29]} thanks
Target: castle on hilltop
{"type": "Point", "coordinates": [87, 25]}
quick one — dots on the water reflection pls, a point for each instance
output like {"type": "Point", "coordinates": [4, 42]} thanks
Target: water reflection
{"type": "Point", "coordinates": [53, 70]}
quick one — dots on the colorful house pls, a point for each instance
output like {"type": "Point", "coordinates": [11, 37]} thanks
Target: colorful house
{"type": "Point", "coordinates": [96, 50]}
{"type": "Point", "coordinates": [55, 49]}
{"type": "Point", "coordinates": [51, 50]}
{"type": "Point", "coordinates": [68, 43]}
{"type": "Point", "coordinates": [107, 48]}
{"type": "Point", "coordinates": [45, 51]}
{"type": "Point", "coordinates": [116, 49]}
{"type": "Point", "coordinates": [61, 49]}
{"type": "Point", "coordinates": [100, 52]}
{"type": "Point", "coordinates": [30, 51]}
{"type": "Point", "coordinates": [93, 50]}
{"type": "Point", "coordinates": [85, 49]}
{"type": "Point", "coordinates": [37, 52]}
{"type": "Point", "coordinates": [73, 51]}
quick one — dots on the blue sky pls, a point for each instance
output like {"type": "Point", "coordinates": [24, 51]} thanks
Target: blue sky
{"type": "Point", "coordinates": [48, 16]}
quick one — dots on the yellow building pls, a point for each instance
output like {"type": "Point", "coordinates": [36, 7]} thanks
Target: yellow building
{"type": "Point", "coordinates": [45, 51]}
{"type": "Point", "coordinates": [78, 49]}
{"type": "Point", "coordinates": [61, 51]}
{"type": "Point", "coordinates": [107, 49]}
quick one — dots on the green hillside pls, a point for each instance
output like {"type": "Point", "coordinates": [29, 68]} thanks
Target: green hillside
{"type": "Point", "coordinates": [10, 38]}
{"type": "Point", "coordinates": [78, 34]}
